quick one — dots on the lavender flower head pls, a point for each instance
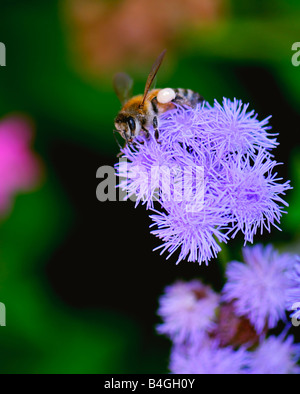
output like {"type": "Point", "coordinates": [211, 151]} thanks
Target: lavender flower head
{"type": "Point", "coordinates": [210, 176]}
{"type": "Point", "coordinates": [188, 311]}
{"type": "Point", "coordinates": [275, 356]}
{"type": "Point", "coordinates": [209, 360]}
{"type": "Point", "coordinates": [293, 294]}
{"type": "Point", "coordinates": [230, 333]}
{"type": "Point", "coordinates": [259, 288]}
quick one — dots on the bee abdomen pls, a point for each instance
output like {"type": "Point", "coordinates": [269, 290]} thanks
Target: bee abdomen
{"type": "Point", "coordinates": [187, 97]}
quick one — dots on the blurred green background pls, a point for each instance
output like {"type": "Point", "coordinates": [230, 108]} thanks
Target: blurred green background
{"type": "Point", "coordinates": [80, 292]}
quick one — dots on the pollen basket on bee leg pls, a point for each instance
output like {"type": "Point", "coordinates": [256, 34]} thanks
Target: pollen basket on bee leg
{"type": "Point", "coordinates": [166, 95]}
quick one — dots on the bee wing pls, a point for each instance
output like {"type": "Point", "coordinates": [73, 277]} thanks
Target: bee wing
{"type": "Point", "coordinates": [152, 75]}
{"type": "Point", "coordinates": [123, 86]}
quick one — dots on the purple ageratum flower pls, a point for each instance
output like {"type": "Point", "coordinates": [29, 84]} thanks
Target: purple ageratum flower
{"type": "Point", "coordinates": [254, 194]}
{"type": "Point", "coordinates": [141, 176]}
{"type": "Point", "coordinates": [196, 234]}
{"type": "Point", "coordinates": [209, 360]}
{"type": "Point", "coordinates": [225, 129]}
{"type": "Point", "coordinates": [238, 190]}
{"type": "Point", "coordinates": [259, 287]}
{"type": "Point", "coordinates": [230, 333]}
{"type": "Point", "coordinates": [19, 168]}
{"type": "Point", "coordinates": [293, 293]}
{"type": "Point", "coordinates": [275, 356]}
{"type": "Point", "coordinates": [233, 129]}
{"type": "Point", "coordinates": [188, 311]}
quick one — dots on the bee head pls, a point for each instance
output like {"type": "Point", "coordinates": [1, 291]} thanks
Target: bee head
{"type": "Point", "coordinates": [127, 126]}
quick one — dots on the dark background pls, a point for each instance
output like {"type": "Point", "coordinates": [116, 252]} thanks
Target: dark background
{"type": "Point", "coordinates": [78, 277]}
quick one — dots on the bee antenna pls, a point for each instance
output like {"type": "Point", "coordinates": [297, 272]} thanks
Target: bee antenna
{"type": "Point", "coordinates": [152, 74]}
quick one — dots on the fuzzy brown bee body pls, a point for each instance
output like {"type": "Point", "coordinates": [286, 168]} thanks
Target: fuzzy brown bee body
{"type": "Point", "coordinates": [141, 112]}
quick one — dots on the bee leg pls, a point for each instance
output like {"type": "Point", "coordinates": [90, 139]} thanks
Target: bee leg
{"type": "Point", "coordinates": [155, 126]}
{"type": "Point", "coordinates": [121, 153]}
{"type": "Point", "coordinates": [127, 139]}
{"type": "Point", "coordinates": [146, 133]}
{"type": "Point", "coordinates": [154, 104]}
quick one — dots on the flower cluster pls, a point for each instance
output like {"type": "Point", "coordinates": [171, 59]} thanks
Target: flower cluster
{"type": "Point", "coordinates": [230, 333]}
{"type": "Point", "coordinates": [210, 176]}
{"type": "Point", "coordinates": [293, 301]}
{"type": "Point", "coordinates": [19, 168]}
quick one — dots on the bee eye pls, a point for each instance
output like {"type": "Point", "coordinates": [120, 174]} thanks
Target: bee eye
{"type": "Point", "coordinates": [131, 123]}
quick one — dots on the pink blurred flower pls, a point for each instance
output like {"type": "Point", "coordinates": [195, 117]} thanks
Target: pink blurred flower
{"type": "Point", "coordinates": [19, 167]}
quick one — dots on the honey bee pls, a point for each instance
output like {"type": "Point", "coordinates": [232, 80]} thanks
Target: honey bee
{"type": "Point", "coordinates": [141, 112]}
